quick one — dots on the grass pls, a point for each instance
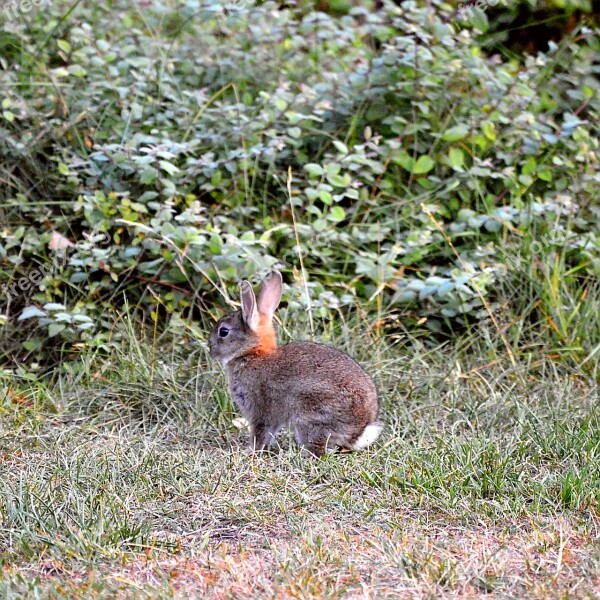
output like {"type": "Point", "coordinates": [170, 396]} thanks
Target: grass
{"type": "Point", "coordinates": [486, 481]}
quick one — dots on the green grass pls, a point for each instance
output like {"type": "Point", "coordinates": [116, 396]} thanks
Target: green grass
{"type": "Point", "coordinates": [486, 480]}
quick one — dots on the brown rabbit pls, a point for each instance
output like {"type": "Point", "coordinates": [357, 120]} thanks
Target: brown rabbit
{"type": "Point", "coordinates": [324, 395]}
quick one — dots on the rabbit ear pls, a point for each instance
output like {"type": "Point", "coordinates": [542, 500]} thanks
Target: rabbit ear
{"type": "Point", "coordinates": [269, 295]}
{"type": "Point", "coordinates": [249, 312]}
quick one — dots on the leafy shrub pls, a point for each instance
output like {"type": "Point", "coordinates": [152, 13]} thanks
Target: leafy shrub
{"type": "Point", "coordinates": [161, 144]}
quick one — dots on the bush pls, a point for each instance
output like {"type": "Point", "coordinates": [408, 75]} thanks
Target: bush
{"type": "Point", "coordinates": [160, 145]}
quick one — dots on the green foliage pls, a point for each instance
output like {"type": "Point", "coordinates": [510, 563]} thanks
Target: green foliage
{"type": "Point", "coordinates": [159, 142]}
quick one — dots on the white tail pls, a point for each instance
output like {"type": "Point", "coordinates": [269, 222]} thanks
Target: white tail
{"type": "Point", "coordinates": [368, 436]}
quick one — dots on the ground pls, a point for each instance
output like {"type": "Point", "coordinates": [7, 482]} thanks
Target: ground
{"type": "Point", "coordinates": [485, 482]}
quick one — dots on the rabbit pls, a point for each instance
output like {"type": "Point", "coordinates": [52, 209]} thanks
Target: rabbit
{"type": "Point", "coordinates": [326, 398]}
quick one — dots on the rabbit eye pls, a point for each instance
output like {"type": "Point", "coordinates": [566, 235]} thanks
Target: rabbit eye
{"type": "Point", "coordinates": [223, 332]}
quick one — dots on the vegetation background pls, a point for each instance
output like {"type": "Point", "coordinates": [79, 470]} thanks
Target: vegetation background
{"type": "Point", "coordinates": [426, 176]}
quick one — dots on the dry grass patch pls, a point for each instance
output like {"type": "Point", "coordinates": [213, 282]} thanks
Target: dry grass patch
{"type": "Point", "coordinates": [534, 558]}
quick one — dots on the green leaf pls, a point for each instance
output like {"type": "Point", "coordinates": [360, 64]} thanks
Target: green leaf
{"type": "Point", "coordinates": [337, 213]}
{"type": "Point", "coordinates": [148, 175]}
{"type": "Point", "coordinates": [530, 166]}
{"type": "Point", "coordinates": [423, 165]}
{"type": "Point", "coordinates": [138, 207]}
{"type": "Point", "coordinates": [525, 179]}
{"type": "Point", "coordinates": [29, 312]}
{"type": "Point", "coordinates": [53, 306]}
{"type": "Point", "coordinates": [404, 160]}
{"type": "Point", "coordinates": [82, 319]}
{"type": "Point", "coordinates": [215, 246]}
{"type": "Point", "coordinates": [55, 329]}
{"type": "Point", "coordinates": [478, 19]}
{"type": "Point", "coordinates": [314, 170]}
{"type": "Point", "coordinates": [341, 147]}
{"type": "Point", "coordinates": [325, 197]}
{"type": "Point", "coordinates": [457, 158]}
{"type": "Point", "coordinates": [489, 130]}
{"type": "Point", "coordinates": [60, 72]}
{"type": "Point", "coordinates": [339, 180]}
{"type": "Point", "coordinates": [319, 225]}
{"type": "Point", "coordinates": [280, 104]}
{"type": "Point", "coordinates": [455, 133]}
{"type": "Point", "coordinates": [168, 167]}
{"type": "Point", "coordinates": [77, 71]}
{"type": "Point", "coordinates": [32, 344]}
{"type": "Point", "coordinates": [311, 194]}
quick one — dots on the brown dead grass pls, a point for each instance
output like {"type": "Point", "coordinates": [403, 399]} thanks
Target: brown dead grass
{"type": "Point", "coordinates": [525, 558]}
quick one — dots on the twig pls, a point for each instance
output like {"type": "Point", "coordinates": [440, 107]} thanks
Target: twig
{"type": "Point", "coordinates": [304, 276]}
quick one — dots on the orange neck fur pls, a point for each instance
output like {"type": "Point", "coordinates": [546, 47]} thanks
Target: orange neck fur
{"type": "Point", "coordinates": [267, 341]}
